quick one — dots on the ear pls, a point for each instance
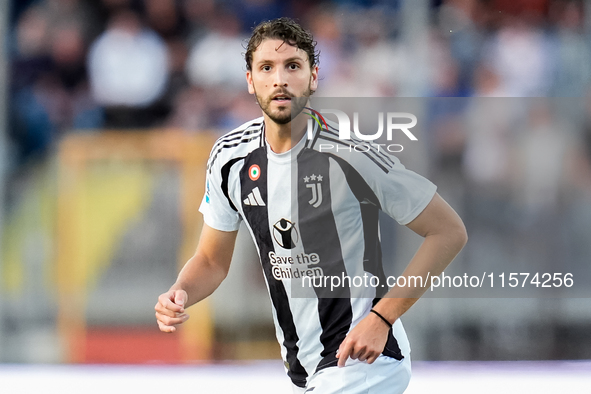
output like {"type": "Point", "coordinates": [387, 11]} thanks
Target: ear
{"type": "Point", "coordinates": [314, 79]}
{"type": "Point", "coordinates": [249, 81]}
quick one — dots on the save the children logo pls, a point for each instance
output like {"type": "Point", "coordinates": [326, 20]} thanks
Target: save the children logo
{"type": "Point", "coordinates": [396, 122]}
{"type": "Point", "coordinates": [292, 264]}
{"type": "Point", "coordinates": [285, 234]}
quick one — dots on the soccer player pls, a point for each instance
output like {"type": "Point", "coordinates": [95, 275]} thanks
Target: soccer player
{"type": "Point", "coordinates": [313, 214]}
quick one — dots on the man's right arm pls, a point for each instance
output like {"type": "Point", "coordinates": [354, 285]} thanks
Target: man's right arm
{"type": "Point", "coordinates": [200, 276]}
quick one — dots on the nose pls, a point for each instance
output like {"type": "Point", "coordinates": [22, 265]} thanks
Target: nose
{"type": "Point", "coordinates": [280, 79]}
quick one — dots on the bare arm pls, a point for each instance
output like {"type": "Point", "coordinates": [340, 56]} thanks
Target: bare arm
{"type": "Point", "coordinates": [200, 276]}
{"type": "Point", "coordinates": [445, 235]}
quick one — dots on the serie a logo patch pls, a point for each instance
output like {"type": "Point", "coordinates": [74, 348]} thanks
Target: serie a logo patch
{"type": "Point", "coordinates": [254, 172]}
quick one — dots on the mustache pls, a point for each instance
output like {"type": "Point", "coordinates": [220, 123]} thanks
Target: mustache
{"type": "Point", "coordinates": [282, 91]}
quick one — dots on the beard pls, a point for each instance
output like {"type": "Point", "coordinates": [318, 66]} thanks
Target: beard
{"type": "Point", "coordinates": [284, 113]}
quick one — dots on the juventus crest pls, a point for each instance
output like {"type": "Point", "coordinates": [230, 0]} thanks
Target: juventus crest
{"type": "Point", "coordinates": [314, 183]}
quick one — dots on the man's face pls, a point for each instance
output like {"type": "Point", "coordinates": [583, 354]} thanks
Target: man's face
{"type": "Point", "coordinates": [280, 72]}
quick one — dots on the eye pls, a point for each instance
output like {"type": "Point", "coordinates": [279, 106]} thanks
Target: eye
{"type": "Point", "coordinates": [266, 68]}
{"type": "Point", "coordinates": [293, 66]}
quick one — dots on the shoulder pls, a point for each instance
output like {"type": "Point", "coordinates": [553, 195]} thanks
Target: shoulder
{"type": "Point", "coordinates": [237, 143]}
{"type": "Point", "coordinates": [366, 155]}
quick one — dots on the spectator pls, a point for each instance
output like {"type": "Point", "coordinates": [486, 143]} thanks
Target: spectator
{"type": "Point", "coordinates": [457, 21]}
{"type": "Point", "coordinates": [216, 60]}
{"type": "Point", "coordinates": [376, 58]}
{"type": "Point", "coordinates": [163, 16]}
{"type": "Point", "coordinates": [50, 84]}
{"type": "Point", "coordinates": [128, 67]}
{"type": "Point", "coordinates": [520, 54]}
{"type": "Point", "coordinates": [573, 73]}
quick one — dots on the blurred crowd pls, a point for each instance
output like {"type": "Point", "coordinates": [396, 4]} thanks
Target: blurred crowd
{"type": "Point", "coordinates": [129, 64]}
{"type": "Point", "coordinates": [178, 64]}
{"type": "Point", "coordinates": [517, 170]}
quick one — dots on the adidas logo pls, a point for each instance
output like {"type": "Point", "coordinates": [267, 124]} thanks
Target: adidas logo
{"type": "Point", "coordinates": [254, 198]}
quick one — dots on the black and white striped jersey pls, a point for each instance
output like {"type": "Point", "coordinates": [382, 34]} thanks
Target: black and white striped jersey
{"type": "Point", "coordinates": [312, 214]}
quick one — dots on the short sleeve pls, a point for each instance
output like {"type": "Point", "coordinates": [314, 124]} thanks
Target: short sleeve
{"type": "Point", "coordinates": [403, 194]}
{"type": "Point", "coordinates": [215, 207]}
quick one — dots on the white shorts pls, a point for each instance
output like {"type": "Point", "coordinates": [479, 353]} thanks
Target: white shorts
{"type": "Point", "coordinates": [385, 376]}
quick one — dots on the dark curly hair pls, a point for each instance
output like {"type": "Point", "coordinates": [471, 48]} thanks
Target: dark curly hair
{"type": "Point", "coordinates": [285, 29]}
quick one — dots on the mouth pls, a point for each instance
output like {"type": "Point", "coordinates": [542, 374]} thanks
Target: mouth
{"type": "Point", "coordinates": [281, 98]}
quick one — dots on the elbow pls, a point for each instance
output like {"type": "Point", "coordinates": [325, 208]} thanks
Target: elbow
{"type": "Point", "coordinates": [460, 235]}
{"type": "Point", "coordinates": [454, 235]}
{"type": "Point", "coordinates": [224, 272]}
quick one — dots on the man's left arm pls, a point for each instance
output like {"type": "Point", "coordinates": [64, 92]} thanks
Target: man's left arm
{"type": "Point", "coordinates": [444, 236]}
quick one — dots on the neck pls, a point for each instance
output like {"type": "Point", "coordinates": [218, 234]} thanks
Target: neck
{"type": "Point", "coordinates": [283, 137]}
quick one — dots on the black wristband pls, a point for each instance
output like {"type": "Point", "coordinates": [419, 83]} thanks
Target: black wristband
{"type": "Point", "coordinates": [383, 318]}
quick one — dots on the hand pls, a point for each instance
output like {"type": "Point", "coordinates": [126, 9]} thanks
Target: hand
{"type": "Point", "coordinates": [170, 310]}
{"type": "Point", "coordinates": [365, 342]}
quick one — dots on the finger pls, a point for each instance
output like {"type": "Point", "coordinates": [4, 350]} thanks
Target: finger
{"type": "Point", "coordinates": [171, 321]}
{"type": "Point", "coordinates": [166, 300]}
{"type": "Point", "coordinates": [180, 297]}
{"type": "Point", "coordinates": [371, 359]}
{"type": "Point", "coordinates": [357, 353]}
{"type": "Point", "coordinates": [344, 353]}
{"type": "Point", "coordinates": [162, 310]}
{"type": "Point", "coordinates": [165, 328]}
